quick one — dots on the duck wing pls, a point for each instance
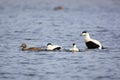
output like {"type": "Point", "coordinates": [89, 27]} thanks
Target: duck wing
{"type": "Point", "coordinates": [92, 45]}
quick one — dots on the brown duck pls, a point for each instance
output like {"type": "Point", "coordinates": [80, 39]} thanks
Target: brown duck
{"type": "Point", "coordinates": [24, 48]}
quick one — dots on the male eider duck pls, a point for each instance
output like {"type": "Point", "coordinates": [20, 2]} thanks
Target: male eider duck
{"type": "Point", "coordinates": [74, 48]}
{"type": "Point", "coordinates": [91, 43]}
{"type": "Point", "coordinates": [51, 47]}
{"type": "Point", "coordinates": [24, 48]}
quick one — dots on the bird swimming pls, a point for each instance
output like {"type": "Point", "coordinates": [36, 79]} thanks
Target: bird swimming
{"type": "Point", "coordinates": [91, 43]}
{"type": "Point", "coordinates": [24, 48]}
{"type": "Point", "coordinates": [74, 48]}
{"type": "Point", "coordinates": [51, 47]}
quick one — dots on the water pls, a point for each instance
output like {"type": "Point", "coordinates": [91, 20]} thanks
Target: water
{"type": "Point", "coordinates": [36, 24]}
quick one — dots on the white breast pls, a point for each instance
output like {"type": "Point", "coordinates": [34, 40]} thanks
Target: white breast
{"type": "Point", "coordinates": [74, 49]}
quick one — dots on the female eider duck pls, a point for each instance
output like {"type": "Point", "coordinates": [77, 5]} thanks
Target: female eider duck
{"type": "Point", "coordinates": [51, 47]}
{"type": "Point", "coordinates": [91, 43]}
{"type": "Point", "coordinates": [24, 48]}
{"type": "Point", "coordinates": [74, 48]}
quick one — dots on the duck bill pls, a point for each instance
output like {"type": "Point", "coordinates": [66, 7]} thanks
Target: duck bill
{"type": "Point", "coordinates": [81, 34]}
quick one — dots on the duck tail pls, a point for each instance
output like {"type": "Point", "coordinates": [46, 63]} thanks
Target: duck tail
{"type": "Point", "coordinates": [103, 47]}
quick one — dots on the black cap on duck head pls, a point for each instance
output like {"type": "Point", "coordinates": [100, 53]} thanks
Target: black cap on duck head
{"type": "Point", "coordinates": [84, 32]}
{"type": "Point", "coordinates": [49, 44]}
{"type": "Point", "coordinates": [73, 44]}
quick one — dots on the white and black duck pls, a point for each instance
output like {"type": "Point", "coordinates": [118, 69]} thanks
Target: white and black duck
{"type": "Point", "coordinates": [91, 43]}
{"type": "Point", "coordinates": [74, 48]}
{"type": "Point", "coordinates": [51, 47]}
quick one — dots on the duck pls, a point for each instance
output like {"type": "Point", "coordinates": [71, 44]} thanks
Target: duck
{"type": "Point", "coordinates": [51, 47]}
{"type": "Point", "coordinates": [74, 48]}
{"type": "Point", "coordinates": [24, 48]}
{"type": "Point", "coordinates": [58, 8]}
{"type": "Point", "coordinates": [91, 43]}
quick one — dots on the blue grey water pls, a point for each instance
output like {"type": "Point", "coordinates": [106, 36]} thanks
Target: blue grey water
{"type": "Point", "coordinates": [35, 22]}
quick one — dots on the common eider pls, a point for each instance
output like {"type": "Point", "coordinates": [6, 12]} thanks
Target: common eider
{"type": "Point", "coordinates": [91, 43]}
{"type": "Point", "coordinates": [74, 48]}
{"type": "Point", "coordinates": [24, 48]}
{"type": "Point", "coordinates": [51, 47]}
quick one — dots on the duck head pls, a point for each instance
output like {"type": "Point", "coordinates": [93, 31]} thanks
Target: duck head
{"type": "Point", "coordinates": [84, 33]}
{"type": "Point", "coordinates": [23, 45]}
